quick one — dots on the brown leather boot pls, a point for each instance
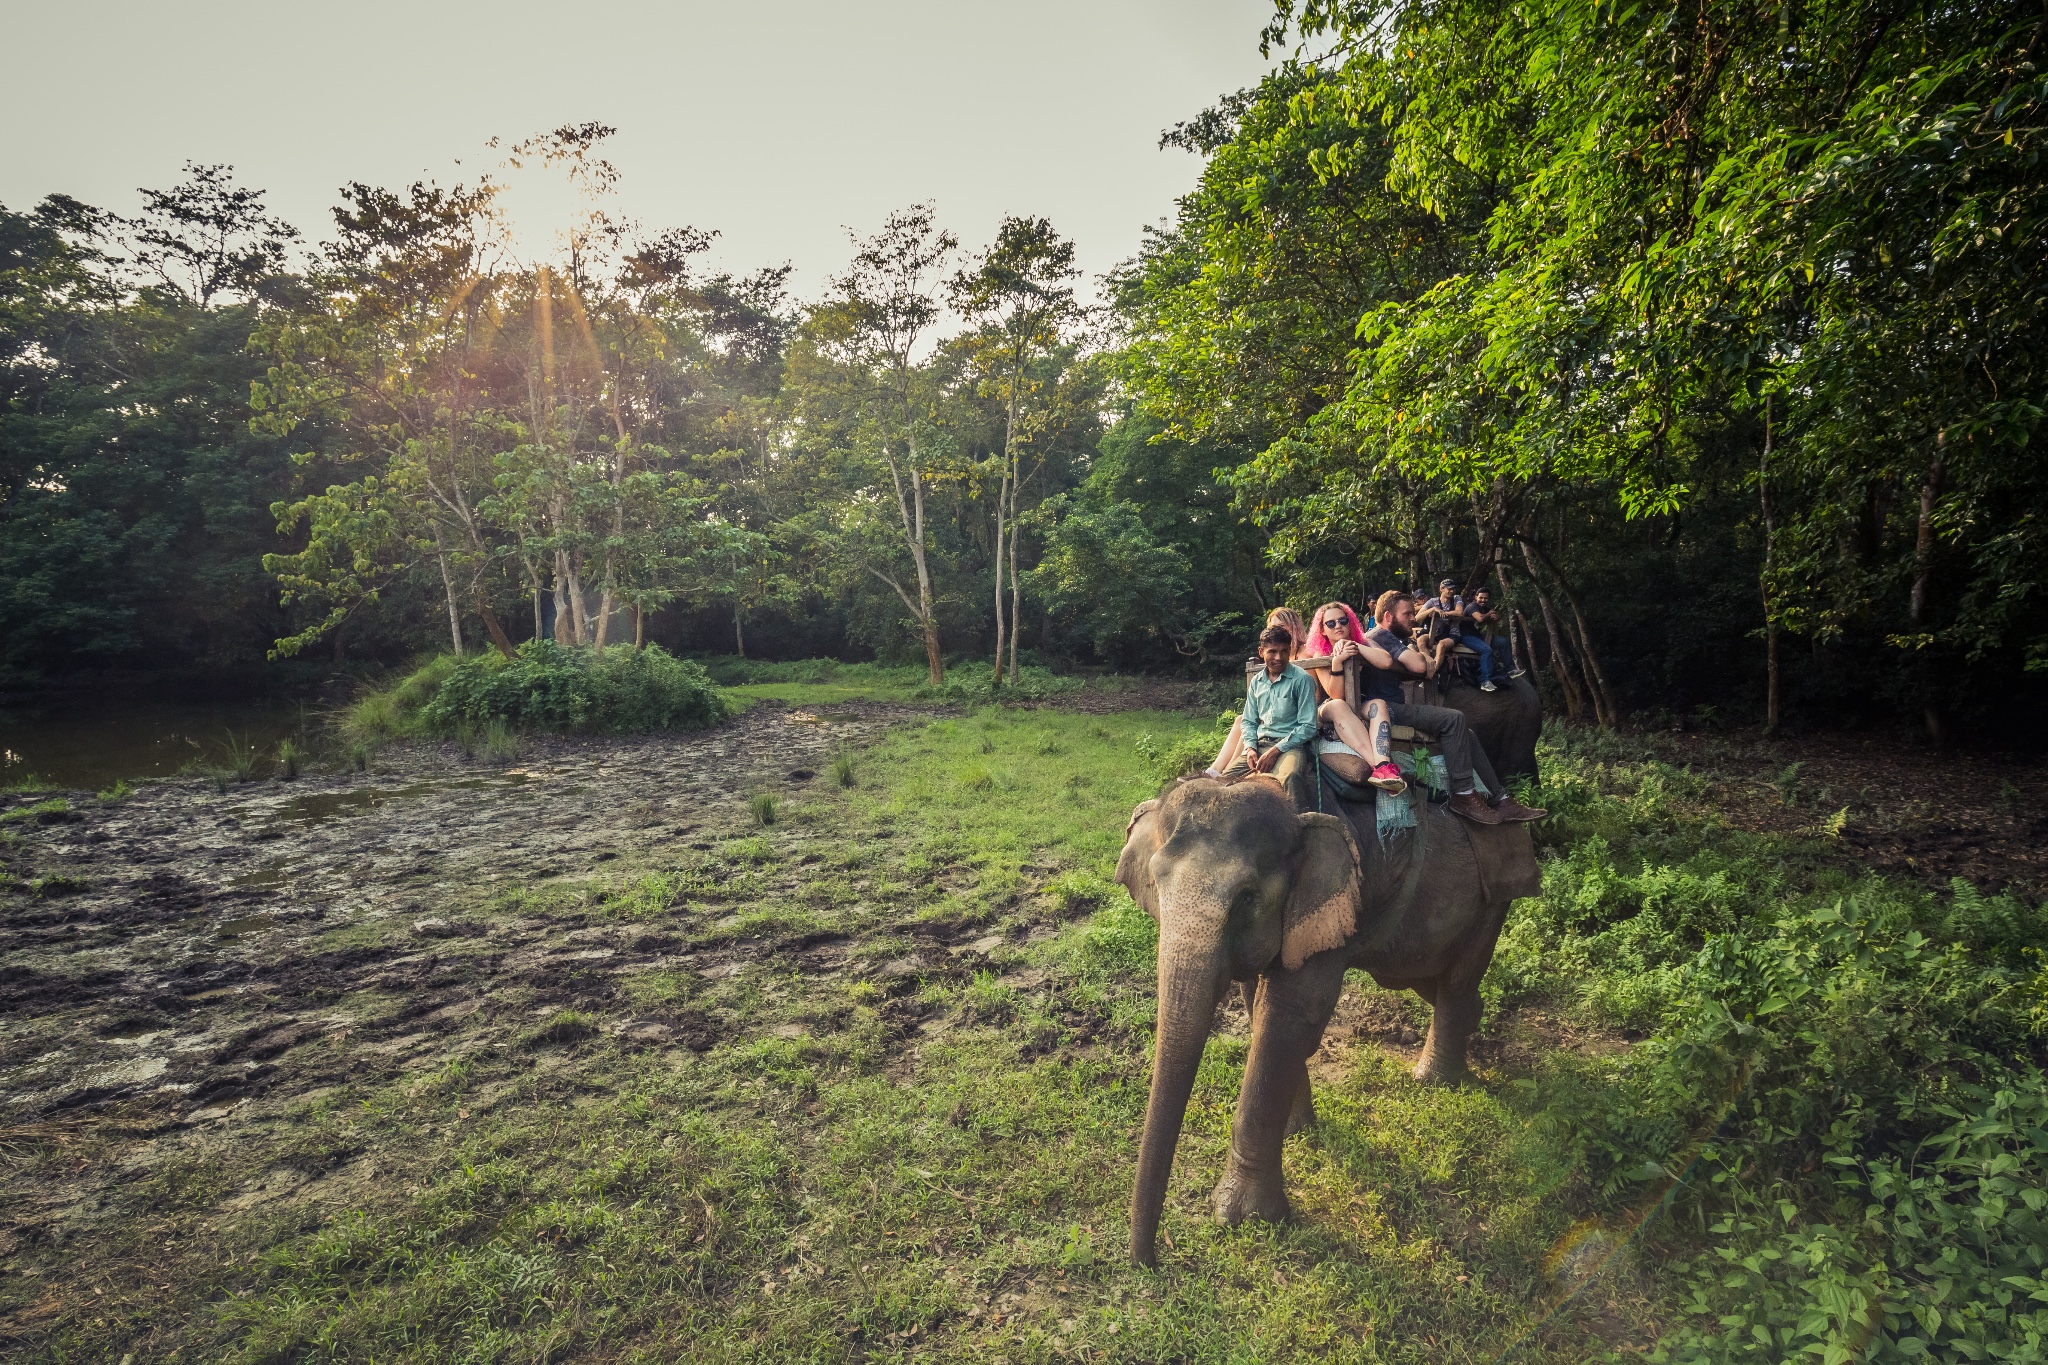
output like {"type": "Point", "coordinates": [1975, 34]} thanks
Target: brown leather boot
{"type": "Point", "coordinates": [1473, 808]}
{"type": "Point", "coordinates": [1513, 812]}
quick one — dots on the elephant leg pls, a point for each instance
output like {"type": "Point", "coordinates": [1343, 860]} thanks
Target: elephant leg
{"type": "Point", "coordinates": [1302, 1114]}
{"type": "Point", "coordinates": [1293, 1009]}
{"type": "Point", "coordinates": [1455, 1016]}
{"type": "Point", "coordinates": [1455, 1005]}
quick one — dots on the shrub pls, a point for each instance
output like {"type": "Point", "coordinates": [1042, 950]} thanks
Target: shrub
{"type": "Point", "coordinates": [1191, 755]}
{"type": "Point", "coordinates": [764, 807]}
{"type": "Point", "coordinates": [545, 686]}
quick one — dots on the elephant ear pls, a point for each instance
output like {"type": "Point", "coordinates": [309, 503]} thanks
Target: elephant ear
{"type": "Point", "coordinates": [1134, 867]}
{"type": "Point", "coordinates": [1322, 910]}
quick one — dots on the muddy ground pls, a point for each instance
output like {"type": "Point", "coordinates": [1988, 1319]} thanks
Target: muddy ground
{"type": "Point", "coordinates": [197, 961]}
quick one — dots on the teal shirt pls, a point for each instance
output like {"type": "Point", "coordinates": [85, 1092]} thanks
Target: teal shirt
{"type": "Point", "coordinates": [1283, 712]}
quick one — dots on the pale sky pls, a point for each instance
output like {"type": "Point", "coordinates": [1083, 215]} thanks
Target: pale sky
{"type": "Point", "coordinates": [775, 125]}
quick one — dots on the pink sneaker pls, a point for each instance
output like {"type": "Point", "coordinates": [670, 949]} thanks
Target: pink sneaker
{"type": "Point", "coordinates": [1388, 778]}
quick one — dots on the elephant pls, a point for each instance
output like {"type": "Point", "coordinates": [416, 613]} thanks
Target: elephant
{"type": "Point", "coordinates": [1506, 720]}
{"type": "Point", "coordinates": [1245, 889]}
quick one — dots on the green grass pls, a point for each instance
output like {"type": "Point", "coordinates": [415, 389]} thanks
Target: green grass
{"type": "Point", "coordinates": [936, 1164]}
{"type": "Point", "coordinates": [39, 812]}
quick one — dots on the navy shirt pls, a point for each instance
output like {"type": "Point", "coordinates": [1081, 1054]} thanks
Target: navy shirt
{"type": "Point", "coordinates": [1385, 683]}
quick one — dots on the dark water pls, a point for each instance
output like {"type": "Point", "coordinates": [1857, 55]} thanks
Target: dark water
{"type": "Point", "coordinates": [95, 742]}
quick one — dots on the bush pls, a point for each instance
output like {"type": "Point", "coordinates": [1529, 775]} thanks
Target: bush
{"type": "Point", "coordinates": [1840, 1099]}
{"type": "Point", "coordinates": [1190, 755]}
{"type": "Point", "coordinates": [546, 686]}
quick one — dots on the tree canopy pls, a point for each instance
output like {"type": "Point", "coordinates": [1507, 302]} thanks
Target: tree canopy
{"type": "Point", "coordinates": [1711, 337]}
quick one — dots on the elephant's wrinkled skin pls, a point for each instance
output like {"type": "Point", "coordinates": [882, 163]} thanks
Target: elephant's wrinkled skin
{"type": "Point", "coordinates": [1246, 890]}
{"type": "Point", "coordinates": [1506, 720]}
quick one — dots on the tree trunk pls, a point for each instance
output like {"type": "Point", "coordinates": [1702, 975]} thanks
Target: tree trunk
{"type": "Point", "coordinates": [1574, 698]}
{"type": "Point", "coordinates": [498, 636]}
{"type": "Point", "coordinates": [1000, 497]}
{"type": "Point", "coordinates": [1525, 657]}
{"type": "Point", "coordinates": [1016, 587]}
{"type": "Point", "coordinates": [1763, 493]}
{"type": "Point", "coordinates": [564, 613]}
{"type": "Point", "coordinates": [739, 634]}
{"type": "Point", "coordinates": [579, 610]}
{"type": "Point", "coordinates": [1923, 540]}
{"type": "Point", "coordinates": [927, 614]}
{"type": "Point", "coordinates": [1416, 552]}
{"type": "Point", "coordinates": [1596, 676]}
{"type": "Point", "coordinates": [639, 628]}
{"type": "Point", "coordinates": [1923, 568]}
{"type": "Point", "coordinates": [448, 588]}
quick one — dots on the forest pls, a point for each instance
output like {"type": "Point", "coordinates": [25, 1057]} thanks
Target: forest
{"type": "Point", "coordinates": [1712, 337]}
{"type": "Point", "coordinates": [692, 899]}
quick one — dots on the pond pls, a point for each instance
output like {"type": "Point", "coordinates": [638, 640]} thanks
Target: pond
{"type": "Point", "coordinates": [93, 742]}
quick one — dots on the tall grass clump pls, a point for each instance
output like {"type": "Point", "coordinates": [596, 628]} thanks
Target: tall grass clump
{"type": "Point", "coordinates": [239, 756]}
{"type": "Point", "coordinates": [544, 686]}
{"type": "Point", "coordinates": [1189, 754]}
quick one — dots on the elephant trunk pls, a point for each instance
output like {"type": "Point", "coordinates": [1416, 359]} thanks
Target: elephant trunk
{"type": "Point", "coordinates": [1189, 985]}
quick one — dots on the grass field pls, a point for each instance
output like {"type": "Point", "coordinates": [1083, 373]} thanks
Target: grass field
{"type": "Point", "coordinates": [933, 1165]}
{"type": "Point", "coordinates": [926, 1151]}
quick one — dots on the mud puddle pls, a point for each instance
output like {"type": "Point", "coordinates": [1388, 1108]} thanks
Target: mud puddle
{"type": "Point", "coordinates": [218, 933]}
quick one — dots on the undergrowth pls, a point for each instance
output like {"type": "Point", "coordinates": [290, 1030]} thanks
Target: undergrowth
{"type": "Point", "coordinates": [484, 699]}
{"type": "Point", "coordinates": [1838, 1102]}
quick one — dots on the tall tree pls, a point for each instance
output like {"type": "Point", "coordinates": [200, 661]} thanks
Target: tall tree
{"type": "Point", "coordinates": [1020, 290]}
{"type": "Point", "coordinates": [883, 305]}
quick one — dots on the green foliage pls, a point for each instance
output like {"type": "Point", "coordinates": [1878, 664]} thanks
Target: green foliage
{"type": "Point", "coordinates": [1103, 568]}
{"type": "Point", "coordinates": [545, 686]}
{"type": "Point", "coordinates": [1839, 1091]}
{"type": "Point", "coordinates": [291, 756]}
{"type": "Point", "coordinates": [133, 522]}
{"type": "Point", "coordinates": [764, 807]}
{"type": "Point", "coordinates": [1188, 754]}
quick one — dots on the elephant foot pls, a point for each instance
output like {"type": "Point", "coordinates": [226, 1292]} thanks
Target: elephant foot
{"type": "Point", "coordinates": [1244, 1193]}
{"type": "Point", "coordinates": [1435, 1070]}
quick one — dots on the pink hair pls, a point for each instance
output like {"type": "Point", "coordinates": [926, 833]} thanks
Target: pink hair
{"type": "Point", "coordinates": [1319, 643]}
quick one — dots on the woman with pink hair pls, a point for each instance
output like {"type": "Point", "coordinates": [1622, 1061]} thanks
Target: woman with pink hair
{"type": "Point", "coordinates": [1288, 619]}
{"type": "Point", "coordinates": [1363, 750]}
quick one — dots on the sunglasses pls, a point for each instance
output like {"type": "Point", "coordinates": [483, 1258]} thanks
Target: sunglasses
{"type": "Point", "coordinates": [1339, 624]}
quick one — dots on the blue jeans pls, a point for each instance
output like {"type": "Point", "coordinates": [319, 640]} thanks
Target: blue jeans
{"type": "Point", "coordinates": [1477, 644]}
